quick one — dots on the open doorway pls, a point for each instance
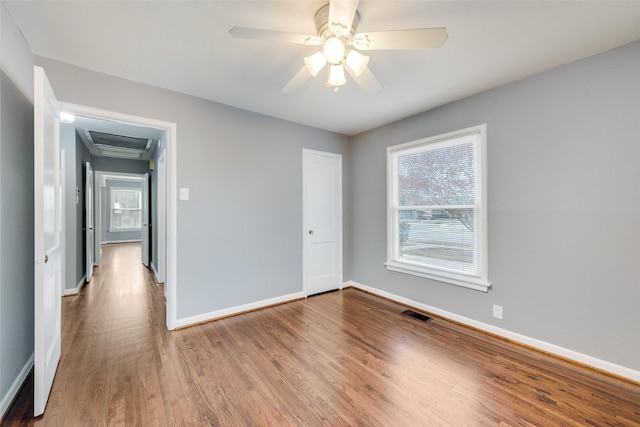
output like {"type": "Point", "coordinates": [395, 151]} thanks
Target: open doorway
{"type": "Point", "coordinates": [121, 150]}
{"type": "Point", "coordinates": [122, 214]}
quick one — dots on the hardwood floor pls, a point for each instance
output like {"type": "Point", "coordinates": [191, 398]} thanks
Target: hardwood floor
{"type": "Point", "coordinates": [342, 358]}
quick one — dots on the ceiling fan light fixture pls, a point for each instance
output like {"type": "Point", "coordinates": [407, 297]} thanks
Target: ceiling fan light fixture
{"type": "Point", "coordinates": [333, 50]}
{"type": "Point", "coordinates": [356, 61]}
{"type": "Point", "coordinates": [336, 76]}
{"type": "Point", "coordinates": [336, 28]}
{"type": "Point", "coordinates": [315, 63]}
{"type": "Point", "coordinates": [67, 117]}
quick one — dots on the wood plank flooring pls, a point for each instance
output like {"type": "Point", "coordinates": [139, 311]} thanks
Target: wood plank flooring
{"type": "Point", "coordinates": [345, 358]}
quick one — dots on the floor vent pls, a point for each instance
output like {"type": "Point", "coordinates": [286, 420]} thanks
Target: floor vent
{"type": "Point", "coordinates": [421, 317]}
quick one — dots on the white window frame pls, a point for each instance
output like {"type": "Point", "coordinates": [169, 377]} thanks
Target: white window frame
{"type": "Point", "coordinates": [478, 281]}
{"type": "Point", "coordinates": [112, 228]}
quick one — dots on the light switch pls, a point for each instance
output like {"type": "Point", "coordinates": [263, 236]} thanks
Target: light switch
{"type": "Point", "coordinates": [184, 194]}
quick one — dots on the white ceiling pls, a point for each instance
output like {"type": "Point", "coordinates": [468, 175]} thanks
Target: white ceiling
{"type": "Point", "coordinates": [185, 46]}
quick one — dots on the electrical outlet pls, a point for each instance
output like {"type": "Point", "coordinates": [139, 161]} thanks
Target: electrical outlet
{"type": "Point", "coordinates": [497, 311]}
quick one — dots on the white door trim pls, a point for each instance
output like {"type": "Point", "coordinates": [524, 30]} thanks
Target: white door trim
{"type": "Point", "coordinates": [97, 218]}
{"type": "Point", "coordinates": [101, 177]}
{"type": "Point", "coordinates": [305, 225]}
{"type": "Point", "coordinates": [89, 196]}
{"type": "Point", "coordinates": [161, 203]}
{"type": "Point", "coordinates": [63, 215]}
{"type": "Point", "coordinates": [171, 162]}
{"type": "Point", "coordinates": [146, 217]}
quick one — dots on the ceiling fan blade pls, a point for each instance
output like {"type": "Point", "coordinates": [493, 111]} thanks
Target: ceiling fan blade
{"type": "Point", "coordinates": [419, 38]}
{"type": "Point", "coordinates": [276, 36]}
{"type": "Point", "coordinates": [366, 80]}
{"type": "Point", "coordinates": [341, 13]}
{"type": "Point", "coordinates": [297, 81]}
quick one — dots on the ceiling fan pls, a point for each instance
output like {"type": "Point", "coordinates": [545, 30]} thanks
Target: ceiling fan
{"type": "Point", "coordinates": [336, 27]}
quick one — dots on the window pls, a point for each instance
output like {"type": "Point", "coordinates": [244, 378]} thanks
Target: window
{"type": "Point", "coordinates": [437, 220]}
{"type": "Point", "coordinates": [126, 209]}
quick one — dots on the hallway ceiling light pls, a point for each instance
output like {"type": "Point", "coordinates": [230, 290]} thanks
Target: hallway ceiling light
{"type": "Point", "coordinates": [67, 117]}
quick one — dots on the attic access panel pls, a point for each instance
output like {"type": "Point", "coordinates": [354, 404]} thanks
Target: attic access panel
{"type": "Point", "coordinates": [120, 141]}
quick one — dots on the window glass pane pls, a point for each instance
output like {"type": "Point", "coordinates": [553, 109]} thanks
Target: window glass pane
{"type": "Point", "coordinates": [126, 219]}
{"type": "Point", "coordinates": [443, 240]}
{"type": "Point", "coordinates": [126, 208]}
{"type": "Point", "coordinates": [126, 198]}
{"type": "Point", "coordinates": [442, 176]}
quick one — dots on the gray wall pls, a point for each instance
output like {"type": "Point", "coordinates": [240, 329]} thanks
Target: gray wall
{"type": "Point", "coordinates": [111, 164]}
{"type": "Point", "coordinates": [71, 229]}
{"type": "Point", "coordinates": [120, 236]}
{"type": "Point", "coordinates": [76, 156]}
{"type": "Point", "coordinates": [16, 208]}
{"type": "Point", "coordinates": [564, 203]}
{"type": "Point", "coordinates": [239, 238]}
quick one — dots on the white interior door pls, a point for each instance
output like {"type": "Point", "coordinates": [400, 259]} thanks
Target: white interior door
{"type": "Point", "coordinates": [90, 234]}
{"type": "Point", "coordinates": [145, 219]}
{"type": "Point", "coordinates": [47, 229]}
{"type": "Point", "coordinates": [322, 211]}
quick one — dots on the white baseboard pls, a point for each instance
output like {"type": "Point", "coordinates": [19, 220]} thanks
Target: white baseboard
{"type": "Point", "coordinates": [108, 242]}
{"type": "Point", "coordinates": [77, 289]}
{"type": "Point", "coordinates": [565, 353]}
{"type": "Point", "coordinates": [218, 314]}
{"type": "Point", "coordinates": [7, 399]}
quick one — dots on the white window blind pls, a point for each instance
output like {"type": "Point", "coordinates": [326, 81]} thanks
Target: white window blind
{"type": "Point", "coordinates": [126, 209]}
{"type": "Point", "coordinates": [437, 212]}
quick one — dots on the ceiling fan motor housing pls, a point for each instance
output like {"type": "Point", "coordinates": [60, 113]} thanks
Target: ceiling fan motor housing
{"type": "Point", "coordinates": [321, 19]}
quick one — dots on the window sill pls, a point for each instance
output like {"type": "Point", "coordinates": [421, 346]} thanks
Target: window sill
{"type": "Point", "coordinates": [475, 283]}
{"type": "Point", "coordinates": [124, 230]}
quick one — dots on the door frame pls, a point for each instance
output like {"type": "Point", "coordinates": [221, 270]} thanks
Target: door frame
{"type": "Point", "coordinates": [101, 177]}
{"type": "Point", "coordinates": [305, 225]}
{"type": "Point", "coordinates": [170, 129]}
{"type": "Point", "coordinates": [160, 264]}
{"type": "Point", "coordinates": [90, 235]}
{"type": "Point", "coordinates": [146, 219]}
{"type": "Point", "coordinates": [63, 215]}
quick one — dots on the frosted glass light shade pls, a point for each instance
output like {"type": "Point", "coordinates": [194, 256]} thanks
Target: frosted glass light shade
{"type": "Point", "coordinates": [356, 61]}
{"type": "Point", "coordinates": [67, 117]}
{"type": "Point", "coordinates": [336, 76]}
{"type": "Point", "coordinates": [315, 63]}
{"type": "Point", "coordinates": [333, 50]}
